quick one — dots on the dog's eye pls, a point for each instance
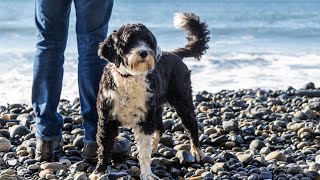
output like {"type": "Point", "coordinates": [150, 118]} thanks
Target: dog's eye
{"type": "Point", "coordinates": [148, 43]}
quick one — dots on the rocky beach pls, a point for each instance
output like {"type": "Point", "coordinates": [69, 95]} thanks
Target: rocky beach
{"type": "Point", "coordinates": [251, 134]}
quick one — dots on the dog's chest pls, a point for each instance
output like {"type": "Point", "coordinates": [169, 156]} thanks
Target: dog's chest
{"type": "Point", "coordinates": [130, 100]}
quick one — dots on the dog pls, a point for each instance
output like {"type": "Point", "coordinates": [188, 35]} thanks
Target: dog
{"type": "Point", "coordinates": [139, 79]}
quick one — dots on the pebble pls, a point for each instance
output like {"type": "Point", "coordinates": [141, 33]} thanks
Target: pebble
{"type": "Point", "coordinates": [295, 126]}
{"type": "Point", "coordinates": [78, 166]}
{"type": "Point", "coordinates": [7, 172]}
{"type": "Point", "coordinates": [5, 144]}
{"type": "Point", "coordinates": [182, 147]}
{"type": "Point", "coordinates": [9, 116]}
{"type": "Point", "coordinates": [34, 167]}
{"type": "Point", "coordinates": [265, 176]}
{"type": "Point", "coordinates": [229, 126]}
{"type": "Point", "coordinates": [219, 140]}
{"type": "Point", "coordinates": [18, 130]}
{"type": "Point", "coordinates": [276, 155]}
{"type": "Point", "coordinates": [115, 175]}
{"type": "Point", "coordinates": [9, 177]}
{"type": "Point", "coordinates": [209, 131]}
{"type": "Point", "coordinates": [295, 169]}
{"type": "Point", "coordinates": [80, 176]}
{"type": "Point", "coordinates": [207, 175]}
{"type": "Point", "coordinates": [78, 141]}
{"type": "Point", "coordinates": [160, 161]}
{"type": "Point", "coordinates": [77, 131]}
{"type": "Point", "coordinates": [230, 144]}
{"type": "Point", "coordinates": [53, 166]}
{"type": "Point", "coordinates": [5, 133]}
{"type": "Point", "coordinates": [309, 85]}
{"type": "Point", "coordinates": [185, 157]}
{"type": "Point", "coordinates": [208, 159]}
{"type": "Point", "coordinates": [313, 175]}
{"type": "Point", "coordinates": [12, 162]}
{"type": "Point", "coordinates": [167, 140]}
{"type": "Point", "coordinates": [314, 166]}
{"type": "Point", "coordinates": [44, 173]}
{"type": "Point", "coordinates": [195, 178]}
{"type": "Point", "coordinates": [304, 130]}
{"type": "Point", "coordinates": [265, 150]}
{"type": "Point", "coordinates": [301, 115]}
{"type": "Point", "coordinates": [134, 171]}
{"type": "Point", "coordinates": [78, 120]}
{"type": "Point", "coordinates": [198, 172]}
{"type": "Point", "coordinates": [256, 145]}
{"type": "Point", "coordinates": [25, 119]}
{"type": "Point", "coordinates": [245, 157]}
{"type": "Point", "coordinates": [317, 159]}
{"type": "Point", "coordinates": [168, 123]}
{"type": "Point", "coordinates": [246, 134]}
{"type": "Point", "coordinates": [50, 176]}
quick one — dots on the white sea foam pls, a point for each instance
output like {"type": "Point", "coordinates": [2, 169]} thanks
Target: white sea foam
{"type": "Point", "coordinates": [17, 73]}
{"type": "Point", "coordinates": [241, 71]}
{"type": "Point", "coordinates": [212, 73]}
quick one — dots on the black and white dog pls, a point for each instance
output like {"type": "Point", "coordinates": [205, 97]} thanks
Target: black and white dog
{"type": "Point", "coordinates": [139, 79]}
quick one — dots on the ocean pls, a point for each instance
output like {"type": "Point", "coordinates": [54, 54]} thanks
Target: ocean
{"type": "Point", "coordinates": [268, 44]}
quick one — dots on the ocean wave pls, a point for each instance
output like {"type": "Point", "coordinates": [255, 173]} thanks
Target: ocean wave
{"type": "Point", "coordinates": [247, 70]}
{"type": "Point", "coordinates": [213, 73]}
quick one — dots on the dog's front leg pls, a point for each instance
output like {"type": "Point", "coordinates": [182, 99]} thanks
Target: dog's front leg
{"type": "Point", "coordinates": [107, 132]}
{"type": "Point", "coordinates": [144, 148]}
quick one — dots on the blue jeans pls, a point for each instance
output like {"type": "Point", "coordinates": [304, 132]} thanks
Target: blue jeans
{"type": "Point", "coordinates": [52, 21]}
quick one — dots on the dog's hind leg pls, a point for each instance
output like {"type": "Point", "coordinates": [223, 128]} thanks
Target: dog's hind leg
{"type": "Point", "coordinates": [182, 102]}
{"type": "Point", "coordinates": [159, 130]}
{"type": "Point", "coordinates": [144, 148]}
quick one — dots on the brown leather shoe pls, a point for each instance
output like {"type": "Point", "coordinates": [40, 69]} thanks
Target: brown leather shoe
{"type": "Point", "coordinates": [46, 150]}
{"type": "Point", "coordinates": [121, 147]}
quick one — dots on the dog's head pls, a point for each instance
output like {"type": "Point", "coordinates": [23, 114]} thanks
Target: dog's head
{"type": "Point", "coordinates": [133, 47]}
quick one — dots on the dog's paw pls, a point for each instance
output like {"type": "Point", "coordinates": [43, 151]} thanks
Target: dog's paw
{"type": "Point", "coordinates": [196, 153]}
{"type": "Point", "coordinates": [149, 176]}
{"type": "Point", "coordinates": [95, 175]}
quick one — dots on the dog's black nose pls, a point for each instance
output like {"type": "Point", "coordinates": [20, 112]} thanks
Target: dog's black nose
{"type": "Point", "coordinates": [143, 53]}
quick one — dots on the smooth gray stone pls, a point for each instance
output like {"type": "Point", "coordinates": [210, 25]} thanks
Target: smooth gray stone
{"type": "Point", "coordinates": [185, 157]}
{"type": "Point", "coordinates": [265, 176]}
{"type": "Point", "coordinates": [313, 93]}
{"type": "Point", "coordinates": [19, 130]}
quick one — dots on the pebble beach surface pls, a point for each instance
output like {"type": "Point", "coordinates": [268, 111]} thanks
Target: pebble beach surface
{"type": "Point", "coordinates": [245, 134]}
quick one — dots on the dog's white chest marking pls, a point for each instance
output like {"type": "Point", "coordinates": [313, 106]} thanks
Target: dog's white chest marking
{"type": "Point", "coordinates": [130, 99]}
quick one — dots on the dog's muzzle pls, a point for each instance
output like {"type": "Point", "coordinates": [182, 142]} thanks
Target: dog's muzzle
{"type": "Point", "coordinates": [143, 54]}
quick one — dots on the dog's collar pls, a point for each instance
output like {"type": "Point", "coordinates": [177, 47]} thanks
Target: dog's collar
{"type": "Point", "coordinates": [122, 75]}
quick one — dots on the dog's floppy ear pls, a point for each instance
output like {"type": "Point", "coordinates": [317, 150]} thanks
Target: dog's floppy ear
{"type": "Point", "coordinates": [106, 50]}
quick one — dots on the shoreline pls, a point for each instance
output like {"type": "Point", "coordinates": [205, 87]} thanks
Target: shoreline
{"type": "Point", "coordinates": [233, 71]}
{"type": "Point", "coordinates": [245, 134]}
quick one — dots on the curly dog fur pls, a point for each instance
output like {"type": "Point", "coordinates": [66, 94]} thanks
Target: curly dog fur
{"type": "Point", "coordinates": [136, 83]}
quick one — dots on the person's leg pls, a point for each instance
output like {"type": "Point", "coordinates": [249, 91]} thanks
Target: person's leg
{"type": "Point", "coordinates": [91, 28]}
{"type": "Point", "coordinates": [52, 20]}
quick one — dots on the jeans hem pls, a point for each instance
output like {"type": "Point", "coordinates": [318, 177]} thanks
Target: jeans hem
{"type": "Point", "coordinates": [89, 142]}
{"type": "Point", "coordinates": [46, 138]}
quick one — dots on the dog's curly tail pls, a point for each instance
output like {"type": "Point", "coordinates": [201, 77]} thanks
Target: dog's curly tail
{"type": "Point", "coordinates": [197, 35]}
